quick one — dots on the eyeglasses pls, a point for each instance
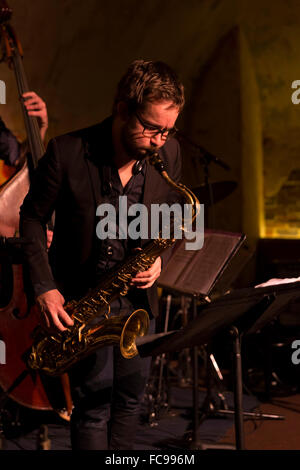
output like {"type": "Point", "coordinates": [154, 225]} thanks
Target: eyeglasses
{"type": "Point", "coordinates": [153, 131]}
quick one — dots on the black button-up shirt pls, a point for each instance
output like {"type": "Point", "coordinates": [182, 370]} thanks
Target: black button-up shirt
{"type": "Point", "coordinates": [112, 251]}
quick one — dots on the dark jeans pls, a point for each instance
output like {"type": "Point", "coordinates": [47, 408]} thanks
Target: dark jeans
{"type": "Point", "coordinates": [107, 393]}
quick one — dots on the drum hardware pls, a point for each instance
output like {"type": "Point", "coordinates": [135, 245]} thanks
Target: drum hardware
{"type": "Point", "coordinates": [166, 372]}
{"type": "Point", "coordinates": [214, 383]}
{"type": "Point", "coordinates": [275, 375]}
{"type": "Point", "coordinates": [214, 378]}
{"type": "Point", "coordinates": [240, 313]}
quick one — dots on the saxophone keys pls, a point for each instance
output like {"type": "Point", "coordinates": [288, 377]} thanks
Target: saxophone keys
{"type": "Point", "coordinates": [80, 332]}
{"type": "Point", "coordinates": [124, 291]}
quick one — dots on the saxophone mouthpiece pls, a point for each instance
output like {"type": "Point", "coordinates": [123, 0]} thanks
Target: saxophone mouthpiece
{"type": "Point", "coordinates": [157, 162]}
{"type": "Point", "coordinates": [154, 159]}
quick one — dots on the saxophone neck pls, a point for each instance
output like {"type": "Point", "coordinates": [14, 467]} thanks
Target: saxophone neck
{"type": "Point", "coordinates": [188, 195]}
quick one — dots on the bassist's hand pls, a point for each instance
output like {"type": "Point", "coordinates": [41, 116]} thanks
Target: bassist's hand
{"type": "Point", "coordinates": [53, 315]}
{"type": "Point", "coordinates": [37, 107]}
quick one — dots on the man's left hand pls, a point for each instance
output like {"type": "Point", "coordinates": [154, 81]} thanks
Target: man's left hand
{"type": "Point", "coordinates": [146, 279]}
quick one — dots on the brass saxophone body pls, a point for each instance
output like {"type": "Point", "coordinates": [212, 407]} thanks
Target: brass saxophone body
{"type": "Point", "coordinates": [93, 326]}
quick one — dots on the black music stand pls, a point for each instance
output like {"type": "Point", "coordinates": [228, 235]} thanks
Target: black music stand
{"type": "Point", "coordinates": [201, 275]}
{"type": "Point", "coordinates": [239, 312]}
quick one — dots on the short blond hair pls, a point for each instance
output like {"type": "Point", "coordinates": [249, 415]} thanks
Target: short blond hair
{"type": "Point", "coordinates": [147, 80]}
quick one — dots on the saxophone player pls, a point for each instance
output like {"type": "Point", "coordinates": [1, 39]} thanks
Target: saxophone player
{"type": "Point", "coordinates": [80, 171]}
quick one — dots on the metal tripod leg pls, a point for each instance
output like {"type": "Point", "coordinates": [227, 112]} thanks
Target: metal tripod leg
{"type": "Point", "coordinates": [238, 412]}
{"type": "Point", "coordinates": [238, 384]}
{"type": "Point", "coordinates": [209, 407]}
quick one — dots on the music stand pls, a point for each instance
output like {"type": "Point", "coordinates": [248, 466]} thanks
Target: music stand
{"type": "Point", "coordinates": [236, 312]}
{"type": "Point", "coordinates": [207, 272]}
{"type": "Point", "coordinates": [203, 274]}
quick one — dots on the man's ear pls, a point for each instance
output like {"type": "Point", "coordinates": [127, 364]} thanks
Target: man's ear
{"type": "Point", "coordinates": [122, 110]}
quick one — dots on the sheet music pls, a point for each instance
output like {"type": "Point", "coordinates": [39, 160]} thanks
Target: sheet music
{"type": "Point", "coordinates": [196, 271]}
{"type": "Point", "coordinates": [180, 259]}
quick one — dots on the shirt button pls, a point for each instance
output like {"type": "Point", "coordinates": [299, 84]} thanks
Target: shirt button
{"type": "Point", "coordinates": [107, 188]}
{"type": "Point", "coordinates": [109, 250]}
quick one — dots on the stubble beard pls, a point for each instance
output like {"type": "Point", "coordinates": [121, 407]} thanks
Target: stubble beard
{"type": "Point", "coordinates": [132, 150]}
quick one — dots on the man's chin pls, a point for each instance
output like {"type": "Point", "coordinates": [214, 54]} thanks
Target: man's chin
{"type": "Point", "coordinates": [145, 151]}
{"type": "Point", "coordinates": [134, 152]}
{"type": "Point", "coordinates": [139, 153]}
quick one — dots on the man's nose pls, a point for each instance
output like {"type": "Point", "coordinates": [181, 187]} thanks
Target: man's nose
{"type": "Point", "coordinates": [156, 140]}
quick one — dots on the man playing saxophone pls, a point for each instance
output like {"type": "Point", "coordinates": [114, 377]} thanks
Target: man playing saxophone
{"type": "Point", "coordinates": [79, 172]}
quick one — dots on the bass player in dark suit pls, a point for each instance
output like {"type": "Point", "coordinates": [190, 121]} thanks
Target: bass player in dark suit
{"type": "Point", "coordinates": [79, 172]}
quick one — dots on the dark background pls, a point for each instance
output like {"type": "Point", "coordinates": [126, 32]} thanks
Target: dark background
{"type": "Point", "coordinates": [237, 60]}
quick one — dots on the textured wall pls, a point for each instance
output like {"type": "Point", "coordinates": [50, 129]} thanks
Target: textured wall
{"type": "Point", "coordinates": [75, 52]}
{"type": "Point", "coordinates": [213, 118]}
{"type": "Point", "coordinates": [273, 32]}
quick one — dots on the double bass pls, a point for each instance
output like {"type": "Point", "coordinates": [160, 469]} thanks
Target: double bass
{"type": "Point", "coordinates": [18, 317]}
{"type": "Point", "coordinates": [5, 172]}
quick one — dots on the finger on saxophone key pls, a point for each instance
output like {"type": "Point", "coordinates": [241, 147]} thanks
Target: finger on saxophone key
{"type": "Point", "coordinates": [53, 315]}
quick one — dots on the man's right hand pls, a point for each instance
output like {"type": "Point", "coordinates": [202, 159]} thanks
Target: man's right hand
{"type": "Point", "coordinates": [53, 315]}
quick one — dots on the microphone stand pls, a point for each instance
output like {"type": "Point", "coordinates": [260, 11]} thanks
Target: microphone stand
{"type": "Point", "coordinates": [204, 154]}
{"type": "Point", "coordinates": [205, 158]}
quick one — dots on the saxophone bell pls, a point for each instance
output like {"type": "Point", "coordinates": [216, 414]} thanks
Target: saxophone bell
{"type": "Point", "coordinates": [54, 358]}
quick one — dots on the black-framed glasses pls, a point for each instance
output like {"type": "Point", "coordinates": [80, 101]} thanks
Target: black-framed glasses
{"type": "Point", "coordinates": [153, 131]}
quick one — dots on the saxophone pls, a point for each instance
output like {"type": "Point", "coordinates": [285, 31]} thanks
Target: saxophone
{"type": "Point", "coordinates": [93, 326]}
